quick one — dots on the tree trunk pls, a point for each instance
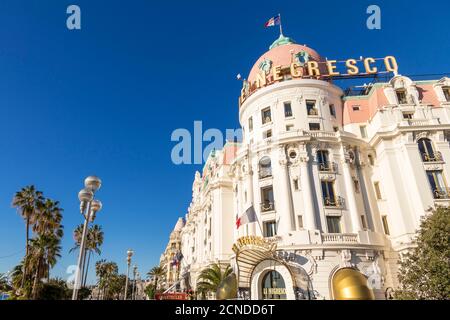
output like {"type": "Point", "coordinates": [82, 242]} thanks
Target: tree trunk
{"type": "Point", "coordinates": [35, 282]}
{"type": "Point", "coordinates": [27, 237]}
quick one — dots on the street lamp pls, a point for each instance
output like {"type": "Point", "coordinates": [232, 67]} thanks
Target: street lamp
{"type": "Point", "coordinates": [88, 208]}
{"type": "Point", "coordinates": [134, 282]}
{"type": "Point", "coordinates": [129, 255]}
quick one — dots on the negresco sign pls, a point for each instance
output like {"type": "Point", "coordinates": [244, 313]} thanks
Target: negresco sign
{"type": "Point", "coordinates": [303, 67]}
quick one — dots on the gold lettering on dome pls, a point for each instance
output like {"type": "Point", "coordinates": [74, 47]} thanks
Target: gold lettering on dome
{"type": "Point", "coordinates": [332, 67]}
{"type": "Point", "coordinates": [351, 66]}
{"type": "Point", "coordinates": [260, 79]}
{"type": "Point", "coordinates": [369, 69]}
{"type": "Point", "coordinates": [313, 68]}
{"type": "Point", "coordinates": [296, 71]}
{"type": "Point", "coordinates": [391, 64]}
{"type": "Point", "coordinates": [276, 71]}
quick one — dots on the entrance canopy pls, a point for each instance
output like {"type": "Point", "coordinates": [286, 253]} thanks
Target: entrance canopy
{"type": "Point", "coordinates": [250, 251]}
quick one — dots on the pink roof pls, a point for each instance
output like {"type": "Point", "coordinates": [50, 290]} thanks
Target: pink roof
{"type": "Point", "coordinates": [282, 55]}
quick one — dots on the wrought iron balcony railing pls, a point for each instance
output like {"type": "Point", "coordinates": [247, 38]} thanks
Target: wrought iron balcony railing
{"type": "Point", "coordinates": [443, 193]}
{"type": "Point", "coordinates": [432, 157]}
{"type": "Point", "coordinates": [265, 172]}
{"type": "Point", "coordinates": [327, 166]}
{"type": "Point", "coordinates": [267, 206]}
{"type": "Point", "coordinates": [337, 202]}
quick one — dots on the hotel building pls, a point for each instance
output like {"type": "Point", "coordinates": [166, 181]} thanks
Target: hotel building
{"type": "Point", "coordinates": [339, 182]}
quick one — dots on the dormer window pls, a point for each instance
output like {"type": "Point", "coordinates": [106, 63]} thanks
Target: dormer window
{"type": "Point", "coordinates": [446, 91]}
{"type": "Point", "coordinates": [266, 115]}
{"type": "Point", "coordinates": [401, 96]}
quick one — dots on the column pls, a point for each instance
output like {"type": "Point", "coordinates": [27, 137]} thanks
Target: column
{"type": "Point", "coordinates": [251, 199]}
{"type": "Point", "coordinates": [308, 216]}
{"type": "Point", "coordinates": [351, 200]}
{"type": "Point", "coordinates": [284, 208]}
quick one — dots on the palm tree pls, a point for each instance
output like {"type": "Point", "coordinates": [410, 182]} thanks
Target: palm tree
{"type": "Point", "coordinates": [44, 251]}
{"type": "Point", "coordinates": [211, 277]}
{"type": "Point", "coordinates": [94, 241]}
{"type": "Point", "coordinates": [106, 272]}
{"type": "Point", "coordinates": [27, 201]}
{"type": "Point", "coordinates": [157, 273]}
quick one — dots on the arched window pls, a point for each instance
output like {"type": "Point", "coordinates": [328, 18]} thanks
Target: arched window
{"type": "Point", "coordinates": [273, 286]}
{"type": "Point", "coordinates": [265, 167]}
{"type": "Point", "coordinates": [426, 150]}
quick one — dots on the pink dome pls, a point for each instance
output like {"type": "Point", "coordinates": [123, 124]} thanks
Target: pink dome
{"type": "Point", "coordinates": [282, 54]}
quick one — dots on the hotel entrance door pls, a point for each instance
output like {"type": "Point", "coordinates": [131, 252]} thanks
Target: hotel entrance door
{"type": "Point", "coordinates": [273, 287]}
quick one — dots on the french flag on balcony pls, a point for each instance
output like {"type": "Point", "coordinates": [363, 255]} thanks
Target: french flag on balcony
{"type": "Point", "coordinates": [249, 216]}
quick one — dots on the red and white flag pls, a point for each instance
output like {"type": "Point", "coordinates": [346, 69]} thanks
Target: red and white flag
{"type": "Point", "coordinates": [249, 216]}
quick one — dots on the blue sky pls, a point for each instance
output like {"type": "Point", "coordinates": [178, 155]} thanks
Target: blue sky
{"type": "Point", "coordinates": [105, 99]}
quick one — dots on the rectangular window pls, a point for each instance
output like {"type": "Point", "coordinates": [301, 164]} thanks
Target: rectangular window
{"type": "Point", "coordinates": [401, 96]}
{"type": "Point", "coordinates": [385, 225]}
{"type": "Point", "coordinates": [363, 130]}
{"type": "Point", "coordinates": [289, 127]}
{"type": "Point", "coordinates": [376, 185]}
{"type": "Point", "coordinates": [287, 109]}
{"type": "Point", "coordinates": [437, 184]}
{"type": "Point", "coordinates": [363, 222]}
{"type": "Point", "coordinates": [446, 93]}
{"type": "Point", "coordinates": [407, 115]}
{"type": "Point", "coordinates": [267, 203]}
{"type": "Point", "coordinates": [356, 185]}
{"type": "Point", "coordinates": [311, 108]}
{"type": "Point", "coordinates": [332, 110]}
{"type": "Point", "coordinates": [334, 224]}
{"type": "Point", "coordinates": [266, 116]}
{"type": "Point", "coordinates": [250, 124]}
{"type": "Point", "coordinates": [314, 126]}
{"type": "Point", "coordinates": [295, 184]}
{"type": "Point", "coordinates": [300, 222]}
{"type": "Point", "coordinates": [267, 134]}
{"type": "Point", "coordinates": [270, 229]}
{"type": "Point", "coordinates": [356, 107]}
{"type": "Point", "coordinates": [328, 195]}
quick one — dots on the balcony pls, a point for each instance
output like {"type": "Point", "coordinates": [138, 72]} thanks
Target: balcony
{"type": "Point", "coordinates": [330, 238]}
{"type": "Point", "coordinates": [441, 194]}
{"type": "Point", "coordinates": [267, 206]}
{"type": "Point", "coordinates": [337, 202]}
{"type": "Point", "coordinates": [265, 172]}
{"type": "Point", "coordinates": [313, 112]}
{"type": "Point", "coordinates": [327, 166]}
{"type": "Point", "coordinates": [432, 157]}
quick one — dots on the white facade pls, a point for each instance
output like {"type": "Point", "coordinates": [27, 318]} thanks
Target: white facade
{"type": "Point", "coordinates": [336, 182]}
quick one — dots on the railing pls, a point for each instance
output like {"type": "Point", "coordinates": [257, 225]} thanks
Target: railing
{"type": "Point", "coordinates": [443, 193]}
{"type": "Point", "coordinates": [327, 166]}
{"type": "Point", "coordinates": [432, 157]}
{"type": "Point", "coordinates": [339, 238]}
{"type": "Point", "coordinates": [337, 202]}
{"type": "Point", "coordinates": [267, 206]}
{"type": "Point", "coordinates": [265, 172]}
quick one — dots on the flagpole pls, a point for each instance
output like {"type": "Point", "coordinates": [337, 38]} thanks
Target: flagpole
{"type": "Point", "coordinates": [281, 27]}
